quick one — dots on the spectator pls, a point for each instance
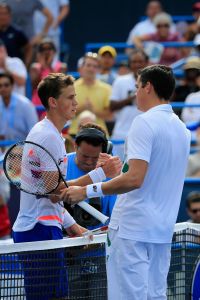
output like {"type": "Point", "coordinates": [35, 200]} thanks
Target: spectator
{"type": "Point", "coordinates": [86, 117]}
{"type": "Point", "coordinates": [193, 207]}
{"type": "Point", "coordinates": [92, 94]}
{"type": "Point", "coordinates": [17, 114]}
{"type": "Point", "coordinates": [15, 67]}
{"type": "Point", "coordinates": [147, 26]}
{"type": "Point", "coordinates": [189, 83]}
{"type": "Point", "coordinates": [89, 143]}
{"type": "Point", "coordinates": [59, 10]}
{"type": "Point", "coordinates": [5, 227]}
{"type": "Point", "coordinates": [123, 95]}
{"type": "Point", "coordinates": [14, 39]}
{"type": "Point", "coordinates": [194, 26]}
{"type": "Point", "coordinates": [123, 68]}
{"type": "Point", "coordinates": [197, 44]}
{"type": "Point", "coordinates": [191, 114]}
{"type": "Point", "coordinates": [162, 22]}
{"type": "Point", "coordinates": [193, 168]}
{"type": "Point", "coordinates": [107, 55]}
{"type": "Point", "coordinates": [23, 11]}
{"type": "Point", "coordinates": [44, 65]}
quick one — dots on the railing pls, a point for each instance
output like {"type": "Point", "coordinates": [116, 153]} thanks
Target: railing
{"type": "Point", "coordinates": [119, 45]}
{"type": "Point", "coordinates": [186, 18]}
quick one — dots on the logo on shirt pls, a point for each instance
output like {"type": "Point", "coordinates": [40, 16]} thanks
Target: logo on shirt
{"type": "Point", "coordinates": [94, 188]}
{"type": "Point", "coordinates": [62, 160]}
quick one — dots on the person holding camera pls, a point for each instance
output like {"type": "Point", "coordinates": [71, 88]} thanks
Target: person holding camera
{"type": "Point", "coordinates": [90, 141]}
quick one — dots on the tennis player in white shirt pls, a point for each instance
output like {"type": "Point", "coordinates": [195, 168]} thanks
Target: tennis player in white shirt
{"type": "Point", "coordinates": [141, 228]}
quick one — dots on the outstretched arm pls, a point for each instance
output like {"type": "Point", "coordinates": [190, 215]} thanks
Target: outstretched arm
{"type": "Point", "coordinates": [125, 182]}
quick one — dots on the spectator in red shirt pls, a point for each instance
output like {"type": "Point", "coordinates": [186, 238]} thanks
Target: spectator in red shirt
{"type": "Point", "coordinates": [4, 217]}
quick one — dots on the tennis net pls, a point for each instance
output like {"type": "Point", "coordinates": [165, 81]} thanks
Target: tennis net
{"type": "Point", "coordinates": [184, 273]}
{"type": "Point", "coordinates": [75, 268]}
{"type": "Point", "coordinates": [62, 269]}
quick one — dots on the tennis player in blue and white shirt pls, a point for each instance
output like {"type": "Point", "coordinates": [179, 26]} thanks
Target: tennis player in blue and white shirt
{"type": "Point", "coordinates": [143, 218]}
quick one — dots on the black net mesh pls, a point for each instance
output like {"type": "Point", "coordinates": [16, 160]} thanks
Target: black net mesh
{"type": "Point", "coordinates": [65, 273]}
{"type": "Point", "coordinates": [79, 272]}
{"type": "Point", "coordinates": [185, 256]}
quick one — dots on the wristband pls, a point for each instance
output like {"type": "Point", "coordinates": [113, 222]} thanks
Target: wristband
{"type": "Point", "coordinates": [94, 190]}
{"type": "Point", "coordinates": [97, 175]}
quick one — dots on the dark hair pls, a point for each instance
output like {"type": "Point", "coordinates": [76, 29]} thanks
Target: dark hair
{"type": "Point", "coordinates": [52, 85]}
{"type": "Point", "coordinates": [137, 51]}
{"type": "Point", "coordinates": [93, 135]}
{"type": "Point", "coordinates": [193, 197]}
{"type": "Point", "coordinates": [8, 76]}
{"type": "Point", "coordinates": [162, 79]}
{"type": "Point", "coordinates": [5, 5]}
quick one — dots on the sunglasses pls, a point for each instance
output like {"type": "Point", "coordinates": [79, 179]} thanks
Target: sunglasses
{"type": "Point", "coordinates": [46, 49]}
{"type": "Point", "coordinates": [91, 54]}
{"type": "Point", "coordinates": [195, 210]}
{"type": "Point", "coordinates": [6, 85]}
{"type": "Point", "coordinates": [162, 25]}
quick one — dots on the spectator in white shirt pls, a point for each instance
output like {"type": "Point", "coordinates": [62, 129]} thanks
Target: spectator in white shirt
{"type": "Point", "coordinates": [59, 10]}
{"type": "Point", "coordinates": [15, 67]}
{"type": "Point", "coordinates": [147, 26]}
{"type": "Point", "coordinates": [192, 114]}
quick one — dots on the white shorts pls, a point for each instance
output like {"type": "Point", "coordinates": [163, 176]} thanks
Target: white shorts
{"type": "Point", "coordinates": [137, 270]}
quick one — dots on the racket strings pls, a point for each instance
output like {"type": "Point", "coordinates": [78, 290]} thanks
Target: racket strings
{"type": "Point", "coordinates": [32, 169]}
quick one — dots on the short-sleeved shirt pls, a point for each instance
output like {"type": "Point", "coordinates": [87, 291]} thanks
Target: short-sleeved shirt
{"type": "Point", "coordinates": [141, 28]}
{"type": "Point", "coordinates": [18, 118]}
{"type": "Point", "coordinates": [191, 114]}
{"type": "Point", "coordinates": [14, 40]}
{"type": "Point", "coordinates": [54, 7]}
{"type": "Point", "coordinates": [149, 213]}
{"type": "Point", "coordinates": [32, 209]}
{"type": "Point", "coordinates": [16, 66]}
{"type": "Point", "coordinates": [121, 89]}
{"type": "Point", "coordinates": [145, 27]}
{"type": "Point", "coordinates": [22, 14]}
{"type": "Point", "coordinates": [98, 94]}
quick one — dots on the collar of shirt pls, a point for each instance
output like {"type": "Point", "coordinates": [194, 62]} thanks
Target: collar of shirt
{"type": "Point", "coordinates": [53, 127]}
{"type": "Point", "coordinates": [163, 107]}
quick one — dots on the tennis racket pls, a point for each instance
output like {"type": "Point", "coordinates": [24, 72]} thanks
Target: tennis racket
{"type": "Point", "coordinates": [33, 170]}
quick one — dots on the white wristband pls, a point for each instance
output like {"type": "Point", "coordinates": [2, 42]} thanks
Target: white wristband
{"type": "Point", "coordinates": [94, 190]}
{"type": "Point", "coordinates": [97, 175]}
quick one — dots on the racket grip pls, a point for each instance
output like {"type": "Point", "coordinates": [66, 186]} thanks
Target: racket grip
{"type": "Point", "coordinates": [93, 212]}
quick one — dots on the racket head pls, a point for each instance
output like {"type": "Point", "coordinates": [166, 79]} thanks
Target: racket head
{"type": "Point", "coordinates": [31, 168]}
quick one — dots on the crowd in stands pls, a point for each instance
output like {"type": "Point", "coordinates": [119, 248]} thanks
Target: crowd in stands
{"type": "Point", "coordinates": [30, 44]}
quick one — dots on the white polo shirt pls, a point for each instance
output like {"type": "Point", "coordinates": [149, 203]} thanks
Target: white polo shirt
{"type": "Point", "coordinates": [32, 209]}
{"type": "Point", "coordinates": [149, 213]}
{"type": "Point", "coordinates": [122, 87]}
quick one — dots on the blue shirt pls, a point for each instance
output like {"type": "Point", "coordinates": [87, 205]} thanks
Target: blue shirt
{"type": "Point", "coordinates": [73, 172]}
{"type": "Point", "coordinates": [17, 119]}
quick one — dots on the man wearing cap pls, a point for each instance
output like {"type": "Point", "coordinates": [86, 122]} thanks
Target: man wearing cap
{"type": "Point", "coordinates": [107, 55]}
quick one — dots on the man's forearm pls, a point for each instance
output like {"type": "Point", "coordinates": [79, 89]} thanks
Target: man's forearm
{"type": "Point", "coordinates": [81, 181]}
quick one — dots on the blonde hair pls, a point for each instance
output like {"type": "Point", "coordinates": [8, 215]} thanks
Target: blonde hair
{"type": "Point", "coordinates": [162, 18]}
